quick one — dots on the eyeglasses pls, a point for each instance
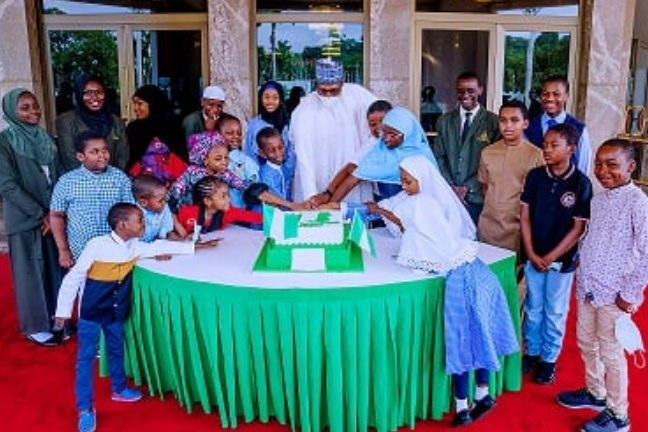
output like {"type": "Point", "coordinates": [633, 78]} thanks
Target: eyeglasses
{"type": "Point", "coordinates": [329, 91]}
{"type": "Point", "coordinates": [96, 93]}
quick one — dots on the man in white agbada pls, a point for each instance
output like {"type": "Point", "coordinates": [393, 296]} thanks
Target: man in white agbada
{"type": "Point", "coordinates": [329, 129]}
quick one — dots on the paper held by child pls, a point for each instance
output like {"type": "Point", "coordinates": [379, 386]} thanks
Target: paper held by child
{"type": "Point", "coordinates": [209, 237]}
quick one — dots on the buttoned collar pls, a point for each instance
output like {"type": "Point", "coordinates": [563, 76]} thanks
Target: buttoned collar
{"type": "Point", "coordinates": [560, 118]}
{"type": "Point", "coordinates": [473, 112]}
{"type": "Point", "coordinates": [570, 171]}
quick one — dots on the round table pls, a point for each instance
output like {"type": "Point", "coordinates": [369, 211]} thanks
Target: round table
{"type": "Point", "coordinates": [344, 351]}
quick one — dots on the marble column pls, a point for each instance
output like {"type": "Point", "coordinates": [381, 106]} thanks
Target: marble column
{"type": "Point", "coordinates": [20, 64]}
{"type": "Point", "coordinates": [605, 58]}
{"type": "Point", "coordinates": [230, 58]}
{"type": "Point", "coordinates": [389, 50]}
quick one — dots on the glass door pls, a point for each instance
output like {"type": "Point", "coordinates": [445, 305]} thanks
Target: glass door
{"type": "Point", "coordinates": [172, 60]}
{"type": "Point", "coordinates": [530, 55]}
{"type": "Point", "coordinates": [510, 53]}
{"type": "Point", "coordinates": [74, 52]}
{"type": "Point", "coordinates": [445, 54]}
{"type": "Point", "coordinates": [128, 51]}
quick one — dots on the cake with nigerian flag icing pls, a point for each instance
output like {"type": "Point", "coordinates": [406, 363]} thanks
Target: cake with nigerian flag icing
{"type": "Point", "coordinates": [312, 241]}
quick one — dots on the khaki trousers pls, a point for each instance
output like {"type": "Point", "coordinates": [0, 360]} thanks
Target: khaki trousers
{"type": "Point", "coordinates": [606, 369]}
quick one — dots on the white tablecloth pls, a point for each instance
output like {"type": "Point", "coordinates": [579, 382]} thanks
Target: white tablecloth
{"type": "Point", "coordinates": [231, 262]}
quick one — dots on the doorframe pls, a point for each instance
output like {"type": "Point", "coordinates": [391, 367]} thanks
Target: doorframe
{"type": "Point", "coordinates": [123, 25]}
{"type": "Point", "coordinates": [497, 26]}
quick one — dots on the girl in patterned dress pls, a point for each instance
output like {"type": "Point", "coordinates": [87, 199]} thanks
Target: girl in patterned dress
{"type": "Point", "coordinates": [209, 156]}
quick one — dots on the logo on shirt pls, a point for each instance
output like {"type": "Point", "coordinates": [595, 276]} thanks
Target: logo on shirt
{"type": "Point", "coordinates": [484, 138]}
{"type": "Point", "coordinates": [568, 199]}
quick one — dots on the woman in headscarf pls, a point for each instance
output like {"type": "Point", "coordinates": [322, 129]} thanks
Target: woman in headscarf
{"type": "Point", "coordinates": [91, 112]}
{"type": "Point", "coordinates": [401, 136]}
{"type": "Point", "coordinates": [272, 112]}
{"type": "Point", "coordinates": [27, 172]}
{"type": "Point", "coordinates": [156, 146]}
{"type": "Point", "coordinates": [477, 320]}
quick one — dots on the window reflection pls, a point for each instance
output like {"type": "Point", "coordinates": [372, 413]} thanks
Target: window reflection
{"type": "Point", "coordinates": [287, 52]}
{"type": "Point", "coordinates": [444, 55]}
{"type": "Point", "coordinates": [77, 52]}
{"type": "Point", "coordinates": [530, 57]}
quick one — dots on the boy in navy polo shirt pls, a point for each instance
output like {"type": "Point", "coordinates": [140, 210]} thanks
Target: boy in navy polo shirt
{"type": "Point", "coordinates": [553, 215]}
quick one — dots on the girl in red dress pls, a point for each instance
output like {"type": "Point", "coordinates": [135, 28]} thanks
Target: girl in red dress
{"type": "Point", "coordinates": [212, 209]}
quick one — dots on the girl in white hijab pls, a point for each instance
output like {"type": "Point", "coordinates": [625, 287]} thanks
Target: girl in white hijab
{"type": "Point", "coordinates": [435, 186]}
{"type": "Point", "coordinates": [439, 237]}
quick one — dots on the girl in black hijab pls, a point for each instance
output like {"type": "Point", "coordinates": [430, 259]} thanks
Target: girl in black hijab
{"type": "Point", "coordinates": [272, 112]}
{"type": "Point", "coordinates": [91, 112]}
{"type": "Point", "coordinates": [153, 124]}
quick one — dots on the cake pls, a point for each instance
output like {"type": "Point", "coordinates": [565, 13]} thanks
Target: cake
{"type": "Point", "coordinates": [307, 241]}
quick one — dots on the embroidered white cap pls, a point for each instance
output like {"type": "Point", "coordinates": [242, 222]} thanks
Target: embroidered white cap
{"type": "Point", "coordinates": [214, 92]}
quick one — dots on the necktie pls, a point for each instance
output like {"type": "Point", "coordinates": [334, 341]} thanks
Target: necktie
{"type": "Point", "coordinates": [551, 123]}
{"type": "Point", "coordinates": [466, 127]}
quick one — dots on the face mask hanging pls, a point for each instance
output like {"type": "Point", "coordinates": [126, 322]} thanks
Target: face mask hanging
{"type": "Point", "coordinates": [629, 336]}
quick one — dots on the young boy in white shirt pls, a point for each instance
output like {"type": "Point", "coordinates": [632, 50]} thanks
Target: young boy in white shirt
{"type": "Point", "coordinates": [611, 280]}
{"type": "Point", "coordinates": [102, 279]}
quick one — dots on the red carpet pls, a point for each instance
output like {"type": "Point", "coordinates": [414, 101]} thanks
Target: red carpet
{"type": "Point", "coordinates": [37, 392]}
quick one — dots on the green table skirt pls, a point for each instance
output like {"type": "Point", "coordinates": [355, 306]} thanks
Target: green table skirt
{"type": "Point", "coordinates": [346, 359]}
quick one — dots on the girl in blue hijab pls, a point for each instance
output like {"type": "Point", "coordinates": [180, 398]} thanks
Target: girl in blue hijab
{"type": "Point", "coordinates": [402, 136]}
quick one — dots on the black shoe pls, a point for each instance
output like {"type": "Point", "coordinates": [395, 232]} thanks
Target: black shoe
{"type": "Point", "coordinates": [607, 421]}
{"type": "Point", "coordinates": [40, 339]}
{"type": "Point", "coordinates": [546, 373]}
{"type": "Point", "coordinates": [580, 398]}
{"type": "Point", "coordinates": [482, 407]}
{"type": "Point", "coordinates": [529, 362]}
{"type": "Point", "coordinates": [461, 418]}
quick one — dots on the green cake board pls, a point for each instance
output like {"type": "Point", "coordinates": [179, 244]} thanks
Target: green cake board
{"type": "Point", "coordinates": [355, 263]}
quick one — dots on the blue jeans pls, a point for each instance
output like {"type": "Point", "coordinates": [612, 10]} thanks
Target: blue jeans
{"type": "Point", "coordinates": [88, 335]}
{"type": "Point", "coordinates": [460, 382]}
{"type": "Point", "coordinates": [546, 306]}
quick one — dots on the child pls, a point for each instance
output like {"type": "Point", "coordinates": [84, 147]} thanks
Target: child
{"type": "Point", "coordinates": [553, 215]}
{"type": "Point", "coordinates": [477, 321]}
{"type": "Point", "coordinates": [212, 210]}
{"type": "Point", "coordinates": [611, 280]}
{"type": "Point", "coordinates": [209, 156]}
{"type": "Point", "coordinates": [243, 166]}
{"type": "Point", "coordinates": [158, 161]}
{"type": "Point", "coordinates": [375, 115]}
{"type": "Point", "coordinates": [503, 167]}
{"type": "Point", "coordinates": [82, 197]}
{"type": "Point", "coordinates": [272, 113]}
{"type": "Point", "coordinates": [27, 172]}
{"type": "Point", "coordinates": [102, 280]}
{"type": "Point", "coordinates": [151, 196]}
{"type": "Point", "coordinates": [279, 169]}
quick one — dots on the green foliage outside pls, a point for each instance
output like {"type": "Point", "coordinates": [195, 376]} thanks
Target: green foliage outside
{"type": "Point", "coordinates": [550, 57]}
{"type": "Point", "coordinates": [77, 52]}
{"type": "Point", "coordinates": [292, 65]}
